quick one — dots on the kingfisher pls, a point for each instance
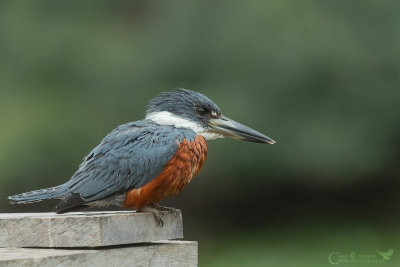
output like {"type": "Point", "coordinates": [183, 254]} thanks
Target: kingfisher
{"type": "Point", "coordinates": [140, 163]}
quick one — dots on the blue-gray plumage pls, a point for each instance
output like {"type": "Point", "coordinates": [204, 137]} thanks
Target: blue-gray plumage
{"type": "Point", "coordinates": [129, 157]}
{"type": "Point", "coordinates": [147, 160]}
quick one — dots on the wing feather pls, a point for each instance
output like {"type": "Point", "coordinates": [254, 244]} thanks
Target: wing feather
{"type": "Point", "coordinates": [129, 157]}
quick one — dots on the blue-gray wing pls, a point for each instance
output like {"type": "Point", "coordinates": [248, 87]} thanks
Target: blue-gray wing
{"type": "Point", "coordinates": [130, 156]}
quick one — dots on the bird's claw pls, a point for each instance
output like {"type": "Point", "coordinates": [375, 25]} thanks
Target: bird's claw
{"type": "Point", "coordinates": [158, 217]}
{"type": "Point", "coordinates": [158, 214]}
{"type": "Point", "coordinates": [167, 209]}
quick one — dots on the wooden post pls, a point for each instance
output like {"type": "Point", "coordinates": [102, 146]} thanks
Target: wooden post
{"type": "Point", "coordinates": [122, 238]}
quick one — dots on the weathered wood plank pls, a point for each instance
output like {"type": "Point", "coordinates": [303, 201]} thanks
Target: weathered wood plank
{"type": "Point", "coordinates": [165, 253]}
{"type": "Point", "coordinates": [85, 229]}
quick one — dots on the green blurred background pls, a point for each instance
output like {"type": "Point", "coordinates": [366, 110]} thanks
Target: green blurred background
{"type": "Point", "coordinates": [320, 77]}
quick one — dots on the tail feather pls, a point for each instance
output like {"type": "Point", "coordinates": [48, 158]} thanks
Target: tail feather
{"type": "Point", "coordinates": [37, 195]}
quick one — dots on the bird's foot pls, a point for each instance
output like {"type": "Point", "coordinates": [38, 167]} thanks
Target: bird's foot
{"type": "Point", "coordinates": [158, 214]}
{"type": "Point", "coordinates": [168, 209]}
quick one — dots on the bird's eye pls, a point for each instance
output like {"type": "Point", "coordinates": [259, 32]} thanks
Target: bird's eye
{"type": "Point", "coordinates": [214, 114]}
{"type": "Point", "coordinates": [202, 111]}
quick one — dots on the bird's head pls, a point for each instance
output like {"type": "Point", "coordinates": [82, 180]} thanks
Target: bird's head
{"type": "Point", "coordinates": [188, 109]}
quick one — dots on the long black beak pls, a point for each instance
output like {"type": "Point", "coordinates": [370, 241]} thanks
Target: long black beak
{"type": "Point", "coordinates": [230, 128]}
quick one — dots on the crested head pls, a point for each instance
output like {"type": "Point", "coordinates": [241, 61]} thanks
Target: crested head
{"type": "Point", "coordinates": [184, 103]}
{"type": "Point", "coordinates": [183, 108]}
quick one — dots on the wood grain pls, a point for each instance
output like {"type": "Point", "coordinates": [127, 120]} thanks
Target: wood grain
{"type": "Point", "coordinates": [86, 229]}
{"type": "Point", "coordinates": [164, 253]}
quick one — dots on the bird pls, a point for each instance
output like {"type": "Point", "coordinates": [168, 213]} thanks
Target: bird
{"type": "Point", "coordinates": [386, 255]}
{"type": "Point", "coordinates": [141, 163]}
